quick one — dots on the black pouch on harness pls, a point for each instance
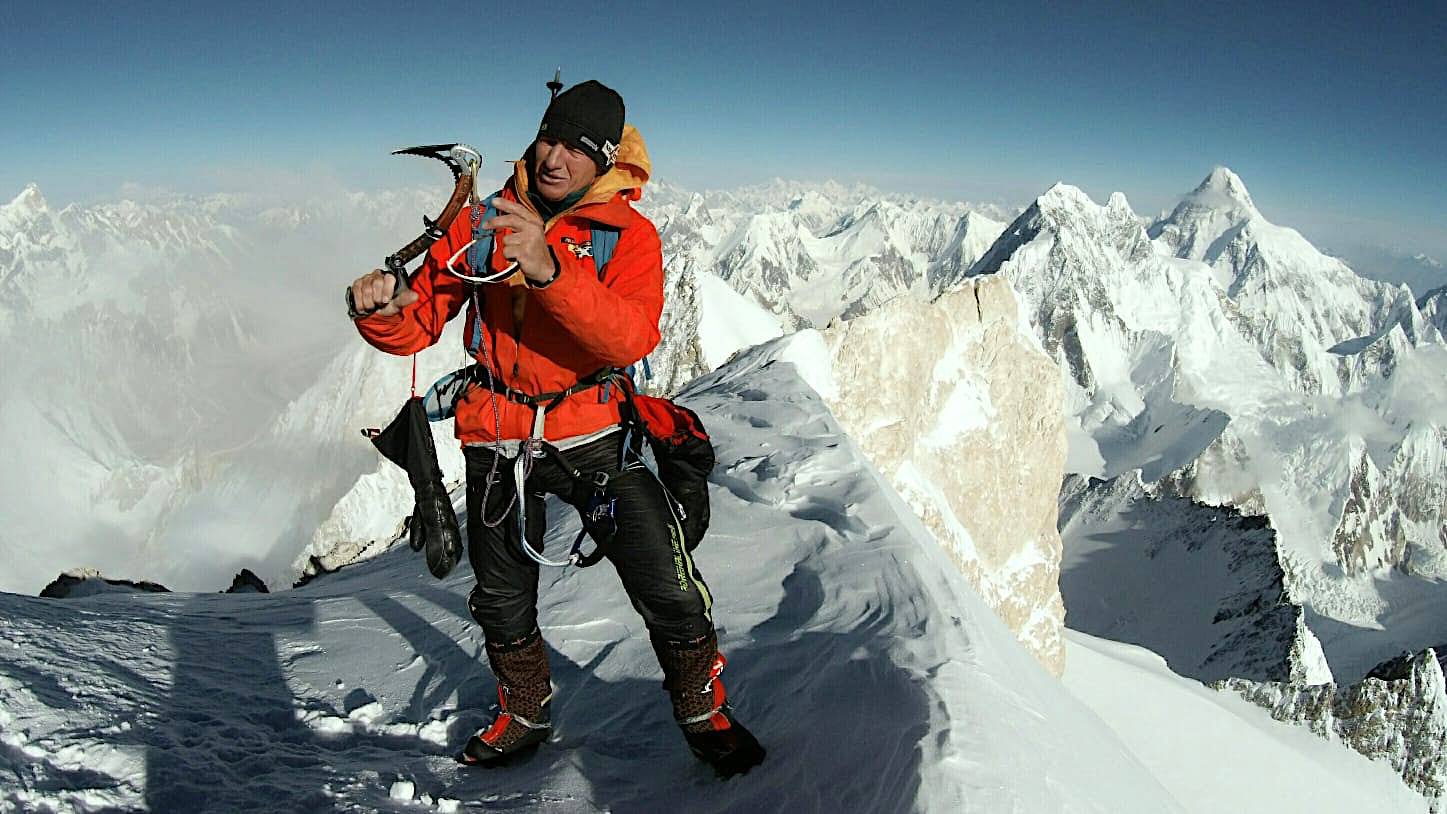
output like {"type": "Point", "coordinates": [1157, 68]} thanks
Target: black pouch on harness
{"type": "Point", "coordinates": [683, 455]}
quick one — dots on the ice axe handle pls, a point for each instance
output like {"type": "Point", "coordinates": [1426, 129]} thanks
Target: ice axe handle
{"type": "Point", "coordinates": [399, 274]}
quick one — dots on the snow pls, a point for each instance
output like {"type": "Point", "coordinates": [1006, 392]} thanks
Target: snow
{"type": "Point", "coordinates": [966, 409]}
{"type": "Point", "coordinates": [867, 666]}
{"type": "Point", "coordinates": [203, 424]}
{"type": "Point", "coordinates": [729, 321]}
{"type": "Point", "coordinates": [1215, 752]}
{"type": "Point", "coordinates": [819, 253]}
{"type": "Point", "coordinates": [1223, 356]}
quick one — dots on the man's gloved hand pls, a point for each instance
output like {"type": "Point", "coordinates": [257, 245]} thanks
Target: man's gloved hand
{"type": "Point", "coordinates": [372, 293]}
{"type": "Point", "coordinates": [526, 244]}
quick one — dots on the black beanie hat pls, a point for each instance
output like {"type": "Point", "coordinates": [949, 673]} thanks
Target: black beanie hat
{"type": "Point", "coordinates": [588, 116]}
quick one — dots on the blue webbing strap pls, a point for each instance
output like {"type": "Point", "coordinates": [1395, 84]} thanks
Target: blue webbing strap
{"type": "Point", "coordinates": [605, 240]}
{"type": "Point", "coordinates": [478, 256]}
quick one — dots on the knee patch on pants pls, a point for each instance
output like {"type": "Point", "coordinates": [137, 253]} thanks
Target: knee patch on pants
{"type": "Point", "coordinates": [475, 606]}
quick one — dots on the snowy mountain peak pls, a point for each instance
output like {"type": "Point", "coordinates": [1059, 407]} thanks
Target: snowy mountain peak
{"type": "Point", "coordinates": [1224, 189]}
{"type": "Point", "coordinates": [23, 210]}
{"type": "Point", "coordinates": [1063, 194]}
{"type": "Point", "coordinates": [1119, 204]}
{"type": "Point", "coordinates": [29, 199]}
{"type": "Point", "coordinates": [1208, 218]}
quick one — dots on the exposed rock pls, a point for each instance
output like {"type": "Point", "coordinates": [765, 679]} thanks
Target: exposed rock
{"type": "Point", "coordinates": [314, 569]}
{"type": "Point", "coordinates": [956, 404]}
{"type": "Point", "coordinates": [247, 582]}
{"type": "Point", "coordinates": [1227, 359]}
{"type": "Point", "coordinates": [1369, 535]}
{"type": "Point", "coordinates": [1201, 586]}
{"type": "Point", "coordinates": [89, 582]}
{"type": "Point", "coordinates": [1433, 305]}
{"type": "Point", "coordinates": [679, 357]}
{"type": "Point", "coordinates": [1396, 715]}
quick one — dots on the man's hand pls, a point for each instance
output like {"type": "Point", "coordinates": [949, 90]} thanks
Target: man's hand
{"type": "Point", "coordinates": [375, 291]}
{"type": "Point", "coordinates": [527, 245]}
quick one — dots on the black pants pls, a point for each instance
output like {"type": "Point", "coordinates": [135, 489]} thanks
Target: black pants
{"type": "Point", "coordinates": [656, 570]}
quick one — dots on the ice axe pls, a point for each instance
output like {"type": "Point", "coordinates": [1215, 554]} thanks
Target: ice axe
{"type": "Point", "coordinates": [464, 161]}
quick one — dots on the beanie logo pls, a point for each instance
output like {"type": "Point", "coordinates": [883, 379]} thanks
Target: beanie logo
{"type": "Point", "coordinates": [587, 142]}
{"type": "Point", "coordinates": [610, 151]}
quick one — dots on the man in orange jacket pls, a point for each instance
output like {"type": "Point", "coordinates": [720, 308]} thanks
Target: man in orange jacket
{"type": "Point", "coordinates": [546, 333]}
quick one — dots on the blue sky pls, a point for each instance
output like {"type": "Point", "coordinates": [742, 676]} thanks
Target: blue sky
{"type": "Point", "coordinates": [1334, 114]}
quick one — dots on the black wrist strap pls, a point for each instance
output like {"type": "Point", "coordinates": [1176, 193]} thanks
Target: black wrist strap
{"type": "Point", "coordinates": [557, 270]}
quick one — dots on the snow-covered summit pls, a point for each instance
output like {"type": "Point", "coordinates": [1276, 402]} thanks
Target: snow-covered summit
{"type": "Point", "coordinates": [1224, 189]}
{"type": "Point", "coordinates": [1214, 209]}
{"type": "Point", "coordinates": [1223, 359]}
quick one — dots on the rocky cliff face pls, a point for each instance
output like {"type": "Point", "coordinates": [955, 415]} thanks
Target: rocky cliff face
{"type": "Point", "coordinates": [954, 401]}
{"type": "Point", "coordinates": [679, 357]}
{"type": "Point", "coordinates": [1202, 586]}
{"type": "Point", "coordinates": [1397, 715]}
{"type": "Point", "coordinates": [1433, 305]}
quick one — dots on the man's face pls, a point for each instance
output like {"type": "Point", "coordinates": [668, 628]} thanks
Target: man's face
{"type": "Point", "coordinates": [560, 170]}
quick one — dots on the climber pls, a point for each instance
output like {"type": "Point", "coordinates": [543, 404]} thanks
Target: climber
{"type": "Point", "coordinates": [539, 413]}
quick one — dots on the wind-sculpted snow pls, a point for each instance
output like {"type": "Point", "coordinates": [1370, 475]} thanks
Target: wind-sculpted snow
{"type": "Point", "coordinates": [875, 676]}
{"type": "Point", "coordinates": [1212, 749]}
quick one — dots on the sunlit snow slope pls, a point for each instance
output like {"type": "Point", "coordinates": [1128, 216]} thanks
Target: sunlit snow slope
{"type": "Point", "coordinates": [1216, 752]}
{"type": "Point", "coordinates": [877, 679]}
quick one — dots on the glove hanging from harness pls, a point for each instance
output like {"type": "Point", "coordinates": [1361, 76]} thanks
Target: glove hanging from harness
{"type": "Point", "coordinates": [407, 442]}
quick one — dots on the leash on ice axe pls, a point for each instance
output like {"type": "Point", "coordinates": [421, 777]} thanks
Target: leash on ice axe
{"type": "Point", "coordinates": [464, 162]}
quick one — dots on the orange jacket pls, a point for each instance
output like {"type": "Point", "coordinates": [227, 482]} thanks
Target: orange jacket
{"type": "Point", "coordinates": [567, 330]}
